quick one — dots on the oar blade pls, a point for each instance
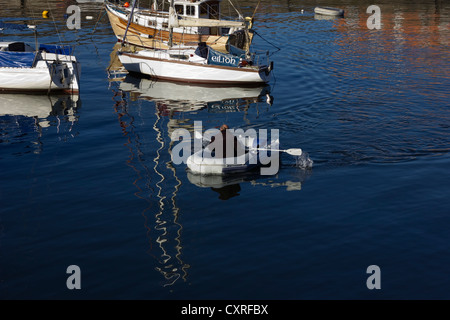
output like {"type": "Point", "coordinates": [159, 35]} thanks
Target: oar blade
{"type": "Point", "coordinates": [198, 135]}
{"type": "Point", "coordinates": [294, 152]}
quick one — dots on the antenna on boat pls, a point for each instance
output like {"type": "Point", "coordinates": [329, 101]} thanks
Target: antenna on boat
{"type": "Point", "coordinates": [129, 21]}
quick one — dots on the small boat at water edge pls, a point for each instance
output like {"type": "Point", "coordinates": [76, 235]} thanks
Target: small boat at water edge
{"type": "Point", "coordinates": [45, 69]}
{"type": "Point", "coordinates": [329, 11]}
{"type": "Point", "coordinates": [37, 71]}
{"type": "Point", "coordinates": [206, 162]}
{"type": "Point", "coordinates": [190, 66]}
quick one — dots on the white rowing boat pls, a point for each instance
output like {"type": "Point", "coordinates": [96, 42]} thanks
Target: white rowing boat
{"type": "Point", "coordinates": [329, 11]}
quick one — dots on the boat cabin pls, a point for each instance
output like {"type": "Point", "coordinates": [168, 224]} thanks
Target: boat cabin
{"type": "Point", "coordinates": [201, 9]}
{"type": "Point", "coordinates": [16, 47]}
{"type": "Point", "coordinates": [207, 9]}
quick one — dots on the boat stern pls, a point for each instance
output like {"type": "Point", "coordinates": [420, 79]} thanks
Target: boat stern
{"type": "Point", "coordinates": [265, 72]}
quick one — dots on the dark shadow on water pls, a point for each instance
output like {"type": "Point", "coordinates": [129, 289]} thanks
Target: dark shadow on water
{"type": "Point", "coordinates": [228, 192]}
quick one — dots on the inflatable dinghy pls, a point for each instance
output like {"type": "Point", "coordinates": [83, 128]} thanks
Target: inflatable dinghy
{"type": "Point", "coordinates": [206, 163]}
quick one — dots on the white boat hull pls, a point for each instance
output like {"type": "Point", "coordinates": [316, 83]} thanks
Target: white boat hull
{"type": "Point", "coordinates": [52, 73]}
{"type": "Point", "coordinates": [329, 11]}
{"type": "Point", "coordinates": [200, 164]}
{"type": "Point", "coordinates": [157, 66]}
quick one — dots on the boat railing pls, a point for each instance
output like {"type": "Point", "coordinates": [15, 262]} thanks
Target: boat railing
{"type": "Point", "coordinates": [260, 57]}
{"type": "Point", "coordinates": [145, 42]}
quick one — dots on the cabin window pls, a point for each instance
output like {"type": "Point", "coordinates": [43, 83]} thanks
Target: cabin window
{"type": "Point", "coordinates": [203, 9]}
{"type": "Point", "coordinates": [179, 56]}
{"type": "Point", "coordinates": [214, 11]}
{"type": "Point", "coordinates": [179, 9]}
{"type": "Point", "coordinates": [151, 23]}
{"type": "Point", "coordinates": [165, 25]}
{"type": "Point", "coordinates": [190, 10]}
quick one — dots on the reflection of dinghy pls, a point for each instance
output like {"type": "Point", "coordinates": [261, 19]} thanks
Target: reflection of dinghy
{"type": "Point", "coordinates": [329, 11]}
{"type": "Point", "coordinates": [218, 181]}
{"type": "Point", "coordinates": [205, 162]}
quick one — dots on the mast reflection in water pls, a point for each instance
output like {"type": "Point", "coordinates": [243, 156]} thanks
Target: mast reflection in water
{"type": "Point", "coordinates": [141, 104]}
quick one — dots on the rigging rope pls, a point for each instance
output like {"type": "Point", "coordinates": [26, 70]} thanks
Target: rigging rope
{"type": "Point", "coordinates": [267, 42]}
{"type": "Point", "coordinates": [54, 22]}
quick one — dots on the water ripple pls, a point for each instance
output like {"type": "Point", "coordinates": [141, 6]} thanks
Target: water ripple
{"type": "Point", "coordinates": [351, 95]}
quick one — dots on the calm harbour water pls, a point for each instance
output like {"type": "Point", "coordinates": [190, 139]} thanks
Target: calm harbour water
{"type": "Point", "coordinates": [89, 181]}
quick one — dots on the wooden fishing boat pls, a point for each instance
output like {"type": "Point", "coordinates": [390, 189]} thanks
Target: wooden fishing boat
{"type": "Point", "coordinates": [199, 65]}
{"type": "Point", "coordinates": [196, 21]}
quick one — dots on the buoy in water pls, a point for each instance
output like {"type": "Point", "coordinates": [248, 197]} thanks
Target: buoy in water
{"type": "Point", "coordinates": [45, 14]}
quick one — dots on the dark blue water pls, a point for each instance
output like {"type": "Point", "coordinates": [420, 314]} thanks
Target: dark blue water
{"type": "Point", "coordinates": [91, 183]}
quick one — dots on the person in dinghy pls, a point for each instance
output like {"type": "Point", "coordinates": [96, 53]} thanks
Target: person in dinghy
{"type": "Point", "coordinates": [223, 147]}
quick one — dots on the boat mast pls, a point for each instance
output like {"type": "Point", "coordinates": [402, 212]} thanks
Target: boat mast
{"type": "Point", "coordinates": [171, 15]}
{"type": "Point", "coordinates": [129, 21]}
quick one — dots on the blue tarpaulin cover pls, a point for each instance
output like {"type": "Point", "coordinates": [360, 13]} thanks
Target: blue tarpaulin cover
{"type": "Point", "coordinates": [236, 51]}
{"type": "Point", "coordinates": [222, 59]}
{"type": "Point", "coordinates": [4, 25]}
{"type": "Point", "coordinates": [50, 48]}
{"type": "Point", "coordinates": [16, 59]}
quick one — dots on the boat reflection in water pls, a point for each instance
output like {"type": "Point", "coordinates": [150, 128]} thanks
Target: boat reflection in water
{"type": "Point", "coordinates": [148, 112]}
{"type": "Point", "coordinates": [184, 97]}
{"type": "Point", "coordinates": [228, 186]}
{"type": "Point", "coordinates": [33, 114]}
